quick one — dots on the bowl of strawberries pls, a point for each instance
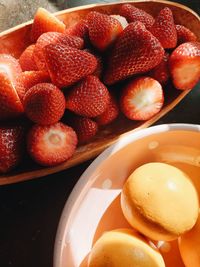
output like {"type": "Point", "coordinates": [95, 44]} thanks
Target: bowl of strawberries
{"type": "Point", "coordinates": [73, 82]}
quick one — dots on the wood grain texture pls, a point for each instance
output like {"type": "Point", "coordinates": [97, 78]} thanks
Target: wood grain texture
{"type": "Point", "coordinates": [16, 39]}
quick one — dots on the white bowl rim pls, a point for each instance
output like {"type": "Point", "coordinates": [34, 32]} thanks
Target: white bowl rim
{"type": "Point", "coordinates": [75, 196]}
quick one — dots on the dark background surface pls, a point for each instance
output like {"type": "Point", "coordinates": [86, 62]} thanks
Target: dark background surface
{"type": "Point", "coordinates": [30, 211]}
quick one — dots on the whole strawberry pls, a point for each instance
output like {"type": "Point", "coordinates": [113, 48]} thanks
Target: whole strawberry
{"type": "Point", "coordinates": [135, 51]}
{"type": "Point", "coordinates": [132, 14]}
{"type": "Point", "coordinates": [11, 147]}
{"type": "Point", "coordinates": [142, 98]}
{"type": "Point", "coordinates": [88, 98]}
{"type": "Point", "coordinates": [26, 59]}
{"type": "Point", "coordinates": [67, 65]}
{"type": "Point", "coordinates": [184, 64]}
{"type": "Point", "coordinates": [185, 35]}
{"type": "Point", "coordinates": [44, 103]}
{"type": "Point", "coordinates": [164, 28]}
{"type": "Point", "coordinates": [103, 29]}
{"type": "Point", "coordinates": [51, 145]}
{"type": "Point", "coordinates": [53, 38]}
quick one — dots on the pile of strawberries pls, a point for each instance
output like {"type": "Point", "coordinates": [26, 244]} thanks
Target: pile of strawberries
{"type": "Point", "coordinates": [72, 74]}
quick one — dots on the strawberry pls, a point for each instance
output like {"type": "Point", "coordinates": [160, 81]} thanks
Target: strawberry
{"type": "Point", "coordinates": [135, 51]}
{"type": "Point", "coordinates": [99, 69]}
{"type": "Point", "coordinates": [184, 64]}
{"type": "Point", "coordinates": [44, 21]}
{"type": "Point", "coordinates": [67, 65]}
{"type": "Point", "coordinates": [142, 98]}
{"type": "Point", "coordinates": [28, 79]}
{"type": "Point", "coordinates": [88, 98]}
{"type": "Point", "coordinates": [164, 28]}
{"type": "Point", "coordinates": [51, 145]}
{"type": "Point", "coordinates": [103, 29]}
{"type": "Point", "coordinates": [161, 72]}
{"type": "Point", "coordinates": [110, 114]}
{"type": "Point", "coordinates": [184, 35]}
{"type": "Point", "coordinates": [10, 103]}
{"type": "Point", "coordinates": [44, 104]}
{"type": "Point", "coordinates": [53, 38]}
{"type": "Point", "coordinates": [133, 14]}
{"type": "Point", "coordinates": [79, 29]}
{"type": "Point", "coordinates": [26, 59]}
{"type": "Point", "coordinates": [85, 128]}
{"type": "Point", "coordinates": [11, 147]}
{"type": "Point", "coordinates": [121, 19]}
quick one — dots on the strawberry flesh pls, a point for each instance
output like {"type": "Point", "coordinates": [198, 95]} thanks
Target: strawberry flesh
{"type": "Point", "coordinates": [142, 98]}
{"type": "Point", "coordinates": [51, 145]}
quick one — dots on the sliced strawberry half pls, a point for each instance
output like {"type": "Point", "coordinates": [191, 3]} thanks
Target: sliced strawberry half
{"type": "Point", "coordinates": [53, 38]}
{"type": "Point", "coordinates": [184, 64]}
{"type": "Point", "coordinates": [67, 65]}
{"type": "Point", "coordinates": [142, 98]}
{"type": "Point", "coordinates": [44, 21]}
{"type": "Point", "coordinates": [28, 79]}
{"type": "Point", "coordinates": [10, 103]}
{"type": "Point", "coordinates": [164, 28]}
{"type": "Point", "coordinates": [132, 14]}
{"type": "Point", "coordinates": [26, 59]}
{"type": "Point", "coordinates": [11, 147]}
{"type": "Point", "coordinates": [88, 98]}
{"type": "Point", "coordinates": [44, 103]}
{"type": "Point", "coordinates": [185, 35]}
{"type": "Point", "coordinates": [51, 145]}
{"type": "Point", "coordinates": [135, 51]}
{"type": "Point", "coordinates": [103, 29]}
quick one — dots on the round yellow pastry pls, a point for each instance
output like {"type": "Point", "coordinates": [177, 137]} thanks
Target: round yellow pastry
{"type": "Point", "coordinates": [160, 201]}
{"type": "Point", "coordinates": [189, 246]}
{"type": "Point", "coordinates": [124, 248]}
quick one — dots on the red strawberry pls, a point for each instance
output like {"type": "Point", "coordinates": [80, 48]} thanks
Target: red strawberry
{"type": "Point", "coordinates": [67, 65]}
{"type": "Point", "coordinates": [110, 114]}
{"type": "Point", "coordinates": [164, 28]}
{"type": "Point", "coordinates": [185, 35]}
{"type": "Point", "coordinates": [85, 128]}
{"type": "Point", "coordinates": [28, 79]}
{"type": "Point", "coordinates": [103, 29]}
{"type": "Point", "coordinates": [161, 72]}
{"type": "Point", "coordinates": [26, 59]}
{"type": "Point", "coordinates": [53, 38]}
{"type": "Point", "coordinates": [44, 104]}
{"type": "Point", "coordinates": [133, 14]}
{"type": "Point", "coordinates": [88, 98]}
{"type": "Point", "coordinates": [44, 21]}
{"type": "Point", "coordinates": [184, 64]}
{"type": "Point", "coordinates": [79, 29]}
{"type": "Point", "coordinates": [142, 98]}
{"type": "Point", "coordinates": [10, 104]}
{"type": "Point", "coordinates": [11, 147]}
{"type": "Point", "coordinates": [135, 51]}
{"type": "Point", "coordinates": [51, 145]}
{"type": "Point", "coordinates": [99, 69]}
{"type": "Point", "coordinates": [121, 19]}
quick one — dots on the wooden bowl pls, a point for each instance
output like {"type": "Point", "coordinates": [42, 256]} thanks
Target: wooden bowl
{"type": "Point", "coordinates": [15, 40]}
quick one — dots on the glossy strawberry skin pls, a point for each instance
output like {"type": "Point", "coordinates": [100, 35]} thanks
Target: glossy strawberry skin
{"type": "Point", "coordinates": [11, 147]}
{"type": "Point", "coordinates": [67, 65]}
{"type": "Point", "coordinates": [88, 98]}
{"type": "Point", "coordinates": [26, 59]}
{"type": "Point", "coordinates": [53, 38]}
{"type": "Point", "coordinates": [110, 114]}
{"type": "Point", "coordinates": [79, 29]}
{"type": "Point", "coordinates": [184, 64]}
{"type": "Point", "coordinates": [135, 51]}
{"type": "Point", "coordinates": [133, 14]}
{"type": "Point", "coordinates": [44, 21]}
{"type": "Point", "coordinates": [164, 28]}
{"type": "Point", "coordinates": [103, 29]}
{"type": "Point", "coordinates": [51, 145]}
{"type": "Point", "coordinates": [44, 104]}
{"type": "Point", "coordinates": [185, 35]}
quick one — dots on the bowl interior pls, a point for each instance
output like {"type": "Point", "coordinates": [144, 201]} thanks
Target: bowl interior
{"type": "Point", "coordinates": [96, 207]}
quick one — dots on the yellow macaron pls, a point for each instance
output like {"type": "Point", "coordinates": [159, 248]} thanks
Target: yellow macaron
{"type": "Point", "coordinates": [160, 201]}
